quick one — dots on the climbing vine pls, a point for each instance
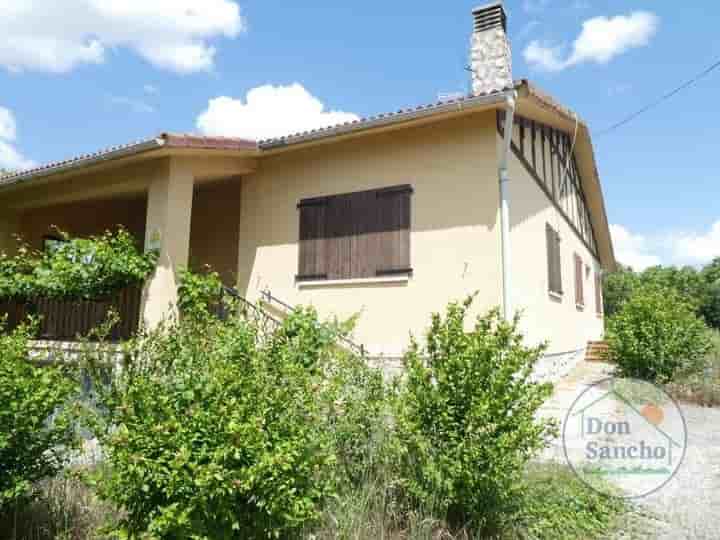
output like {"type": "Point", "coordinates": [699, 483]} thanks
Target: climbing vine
{"type": "Point", "coordinates": [76, 268]}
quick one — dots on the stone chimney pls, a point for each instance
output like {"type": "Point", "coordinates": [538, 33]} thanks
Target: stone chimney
{"type": "Point", "coordinates": [490, 59]}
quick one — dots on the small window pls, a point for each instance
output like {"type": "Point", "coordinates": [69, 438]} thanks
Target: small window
{"type": "Point", "coordinates": [553, 260]}
{"type": "Point", "coordinates": [355, 235]}
{"type": "Point", "coordinates": [579, 282]}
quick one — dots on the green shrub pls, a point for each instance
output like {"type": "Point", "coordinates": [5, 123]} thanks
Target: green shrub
{"type": "Point", "coordinates": [36, 431]}
{"type": "Point", "coordinates": [199, 294]}
{"type": "Point", "coordinates": [466, 418]}
{"type": "Point", "coordinates": [656, 335]}
{"type": "Point", "coordinates": [213, 430]}
{"type": "Point", "coordinates": [77, 268]}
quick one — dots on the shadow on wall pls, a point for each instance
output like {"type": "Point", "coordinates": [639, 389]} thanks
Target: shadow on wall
{"type": "Point", "coordinates": [86, 218]}
{"type": "Point", "coordinates": [215, 228]}
{"type": "Point", "coordinates": [452, 167]}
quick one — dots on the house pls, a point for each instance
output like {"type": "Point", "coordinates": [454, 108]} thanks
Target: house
{"type": "Point", "coordinates": [390, 216]}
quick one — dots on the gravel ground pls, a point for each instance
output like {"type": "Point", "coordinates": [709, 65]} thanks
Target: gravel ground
{"type": "Point", "coordinates": [687, 507]}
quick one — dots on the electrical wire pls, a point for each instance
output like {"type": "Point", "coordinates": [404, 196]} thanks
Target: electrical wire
{"type": "Point", "coordinates": [660, 100]}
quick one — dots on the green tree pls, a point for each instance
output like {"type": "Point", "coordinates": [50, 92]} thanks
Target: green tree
{"type": "Point", "coordinates": [36, 428]}
{"type": "Point", "coordinates": [710, 308]}
{"type": "Point", "coordinates": [618, 286]}
{"type": "Point", "coordinates": [466, 418]}
{"type": "Point", "coordinates": [657, 335]}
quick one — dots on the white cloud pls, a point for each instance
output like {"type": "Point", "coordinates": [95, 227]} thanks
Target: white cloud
{"type": "Point", "coordinates": [61, 35]}
{"type": "Point", "coordinates": [10, 158]}
{"type": "Point", "coordinates": [135, 105]}
{"type": "Point", "coordinates": [601, 40]}
{"type": "Point", "coordinates": [697, 248]}
{"type": "Point", "coordinates": [8, 128]}
{"type": "Point", "coordinates": [268, 111]}
{"type": "Point", "coordinates": [632, 249]}
{"type": "Point", "coordinates": [668, 247]}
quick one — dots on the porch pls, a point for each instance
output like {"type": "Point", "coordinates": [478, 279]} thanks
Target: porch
{"type": "Point", "coordinates": [188, 209]}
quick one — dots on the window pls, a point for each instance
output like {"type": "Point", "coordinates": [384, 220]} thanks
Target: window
{"type": "Point", "coordinates": [553, 260]}
{"type": "Point", "coordinates": [579, 289]}
{"type": "Point", "coordinates": [598, 294]}
{"type": "Point", "coordinates": [355, 235]}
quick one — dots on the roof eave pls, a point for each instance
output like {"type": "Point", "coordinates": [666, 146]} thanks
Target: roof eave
{"type": "Point", "coordinates": [398, 119]}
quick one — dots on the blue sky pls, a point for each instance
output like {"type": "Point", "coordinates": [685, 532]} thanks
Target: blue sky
{"type": "Point", "coordinates": [78, 75]}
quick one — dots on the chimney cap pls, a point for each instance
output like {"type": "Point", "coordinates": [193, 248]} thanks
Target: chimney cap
{"type": "Point", "coordinates": [490, 15]}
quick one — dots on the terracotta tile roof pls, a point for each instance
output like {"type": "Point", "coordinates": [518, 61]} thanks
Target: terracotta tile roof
{"type": "Point", "coordinates": [369, 120]}
{"type": "Point", "coordinates": [185, 140]}
{"type": "Point", "coordinates": [164, 140]}
{"type": "Point", "coordinates": [174, 140]}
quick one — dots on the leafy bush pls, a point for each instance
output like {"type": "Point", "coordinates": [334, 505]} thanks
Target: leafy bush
{"type": "Point", "coordinates": [198, 294]}
{"type": "Point", "coordinates": [702, 385]}
{"type": "Point", "coordinates": [35, 419]}
{"type": "Point", "coordinates": [710, 308]}
{"type": "Point", "coordinates": [466, 418]}
{"type": "Point", "coordinates": [77, 268]}
{"type": "Point", "coordinates": [216, 431]}
{"type": "Point", "coordinates": [701, 289]}
{"type": "Point", "coordinates": [656, 335]}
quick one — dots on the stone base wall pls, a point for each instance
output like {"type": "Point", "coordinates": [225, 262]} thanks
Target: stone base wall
{"type": "Point", "coordinates": [553, 367]}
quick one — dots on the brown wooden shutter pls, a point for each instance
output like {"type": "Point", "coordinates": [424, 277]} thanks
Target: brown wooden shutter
{"type": "Point", "coordinates": [579, 292]}
{"type": "Point", "coordinates": [393, 230]}
{"type": "Point", "coordinates": [355, 235]}
{"type": "Point", "coordinates": [312, 262]}
{"type": "Point", "coordinates": [598, 294]}
{"type": "Point", "coordinates": [553, 260]}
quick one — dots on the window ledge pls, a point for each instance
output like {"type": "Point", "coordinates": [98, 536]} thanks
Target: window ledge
{"type": "Point", "coordinates": [555, 295]}
{"type": "Point", "coordinates": [580, 307]}
{"type": "Point", "coordinates": [380, 280]}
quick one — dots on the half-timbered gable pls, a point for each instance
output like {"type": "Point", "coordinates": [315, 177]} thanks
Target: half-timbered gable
{"type": "Point", "coordinates": [547, 155]}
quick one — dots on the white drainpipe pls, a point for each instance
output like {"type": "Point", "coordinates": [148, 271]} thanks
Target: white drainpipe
{"type": "Point", "coordinates": [507, 308]}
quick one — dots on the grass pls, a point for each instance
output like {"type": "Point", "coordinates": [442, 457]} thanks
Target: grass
{"type": "Point", "coordinates": [65, 509]}
{"type": "Point", "coordinates": [701, 387]}
{"type": "Point", "coordinates": [557, 505]}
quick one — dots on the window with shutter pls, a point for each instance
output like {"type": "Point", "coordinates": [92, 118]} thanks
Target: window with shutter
{"type": "Point", "coordinates": [579, 290]}
{"type": "Point", "coordinates": [598, 294]}
{"type": "Point", "coordinates": [553, 260]}
{"type": "Point", "coordinates": [355, 235]}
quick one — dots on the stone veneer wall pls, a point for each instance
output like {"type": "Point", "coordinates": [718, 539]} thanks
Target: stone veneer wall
{"type": "Point", "coordinates": [490, 61]}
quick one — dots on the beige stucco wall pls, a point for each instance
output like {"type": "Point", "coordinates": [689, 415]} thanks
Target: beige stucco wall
{"type": "Point", "coordinates": [85, 218]}
{"type": "Point", "coordinates": [454, 235]}
{"type": "Point", "coordinates": [214, 228]}
{"type": "Point", "coordinates": [545, 318]}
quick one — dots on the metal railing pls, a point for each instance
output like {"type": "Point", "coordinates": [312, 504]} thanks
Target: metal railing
{"type": "Point", "coordinates": [348, 343]}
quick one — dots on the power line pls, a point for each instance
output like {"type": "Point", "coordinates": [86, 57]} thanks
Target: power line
{"type": "Point", "coordinates": [657, 102]}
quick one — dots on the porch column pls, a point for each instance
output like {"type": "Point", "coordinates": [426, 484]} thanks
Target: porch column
{"type": "Point", "coordinates": [169, 209]}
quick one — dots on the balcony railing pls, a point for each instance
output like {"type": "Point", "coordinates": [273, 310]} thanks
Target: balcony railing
{"type": "Point", "coordinates": [66, 320]}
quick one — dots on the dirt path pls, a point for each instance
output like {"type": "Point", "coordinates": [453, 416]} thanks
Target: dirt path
{"type": "Point", "coordinates": [687, 507]}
